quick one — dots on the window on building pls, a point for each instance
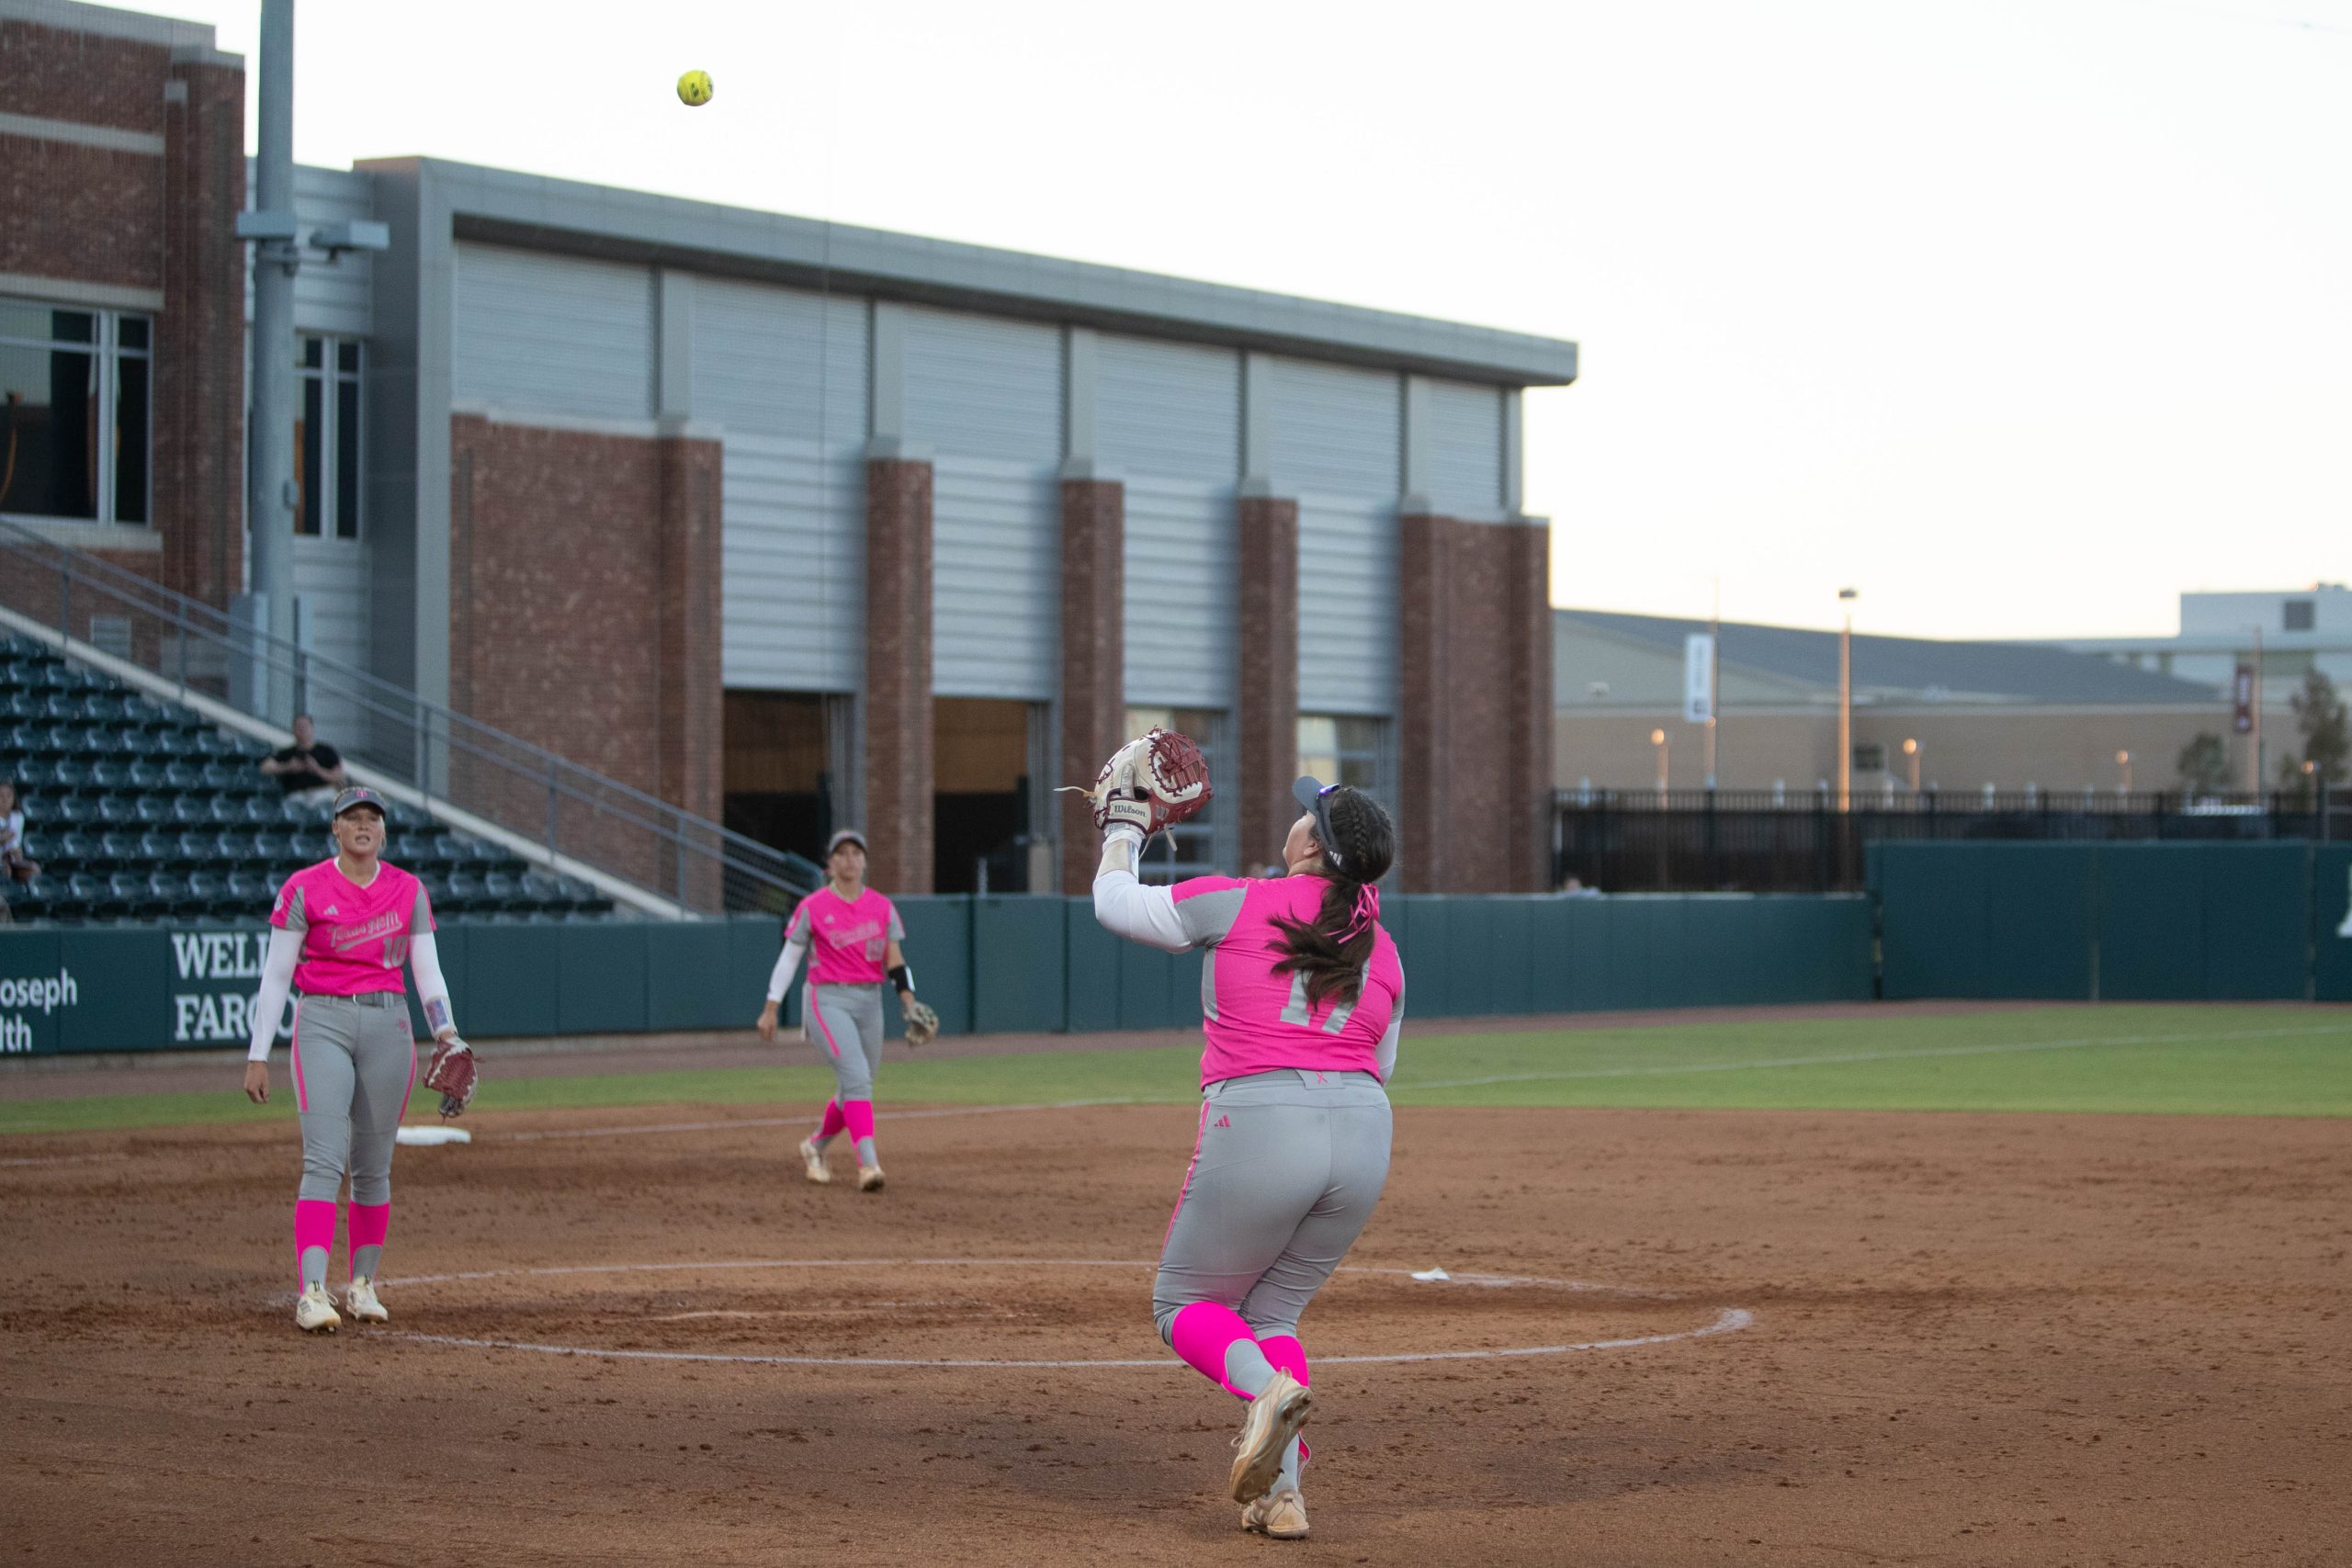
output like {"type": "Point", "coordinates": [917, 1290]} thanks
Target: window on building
{"type": "Point", "coordinates": [1343, 750]}
{"type": "Point", "coordinates": [1869, 758]}
{"type": "Point", "coordinates": [327, 432]}
{"type": "Point", "coordinates": [2299, 612]}
{"type": "Point", "coordinates": [1195, 848]}
{"type": "Point", "coordinates": [74, 412]}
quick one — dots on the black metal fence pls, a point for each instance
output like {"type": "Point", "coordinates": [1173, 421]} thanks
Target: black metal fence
{"type": "Point", "coordinates": [1763, 842]}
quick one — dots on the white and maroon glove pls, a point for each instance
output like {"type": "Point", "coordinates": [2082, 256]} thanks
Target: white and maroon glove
{"type": "Point", "coordinates": [1151, 784]}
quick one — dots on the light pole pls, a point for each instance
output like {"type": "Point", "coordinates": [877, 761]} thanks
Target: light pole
{"type": "Point", "coordinates": [1911, 750]}
{"type": "Point", "coordinates": [1658, 739]}
{"type": "Point", "coordinates": [2124, 761]}
{"type": "Point", "coordinates": [1846, 700]}
{"type": "Point", "coordinates": [2253, 716]}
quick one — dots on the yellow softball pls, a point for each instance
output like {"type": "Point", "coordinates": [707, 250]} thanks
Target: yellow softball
{"type": "Point", "coordinates": [693, 89]}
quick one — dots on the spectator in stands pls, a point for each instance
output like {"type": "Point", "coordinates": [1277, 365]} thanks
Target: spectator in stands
{"type": "Point", "coordinates": [1574, 887]}
{"type": "Point", "coordinates": [309, 771]}
{"type": "Point", "coordinates": [21, 867]}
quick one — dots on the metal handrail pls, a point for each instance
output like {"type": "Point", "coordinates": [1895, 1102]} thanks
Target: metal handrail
{"type": "Point", "coordinates": [710, 867]}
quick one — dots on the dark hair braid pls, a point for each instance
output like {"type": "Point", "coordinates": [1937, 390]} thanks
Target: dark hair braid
{"type": "Point", "coordinates": [1332, 950]}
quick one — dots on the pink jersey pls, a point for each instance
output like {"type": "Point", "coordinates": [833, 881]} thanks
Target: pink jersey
{"type": "Point", "coordinates": [354, 939]}
{"type": "Point", "coordinates": [1256, 1018]}
{"type": "Point", "coordinates": [849, 938]}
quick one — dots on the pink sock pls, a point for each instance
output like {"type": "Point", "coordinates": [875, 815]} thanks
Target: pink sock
{"type": "Point", "coordinates": [370, 1224]}
{"type": "Point", "coordinates": [833, 1123]}
{"type": "Point", "coordinates": [313, 1227]}
{"type": "Point", "coordinates": [1203, 1334]}
{"type": "Point", "coordinates": [859, 1115]}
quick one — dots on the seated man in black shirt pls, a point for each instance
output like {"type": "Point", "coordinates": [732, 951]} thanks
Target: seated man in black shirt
{"type": "Point", "coordinates": [310, 770]}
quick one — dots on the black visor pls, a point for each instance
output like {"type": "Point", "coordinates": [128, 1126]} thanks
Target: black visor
{"type": "Point", "coordinates": [1313, 794]}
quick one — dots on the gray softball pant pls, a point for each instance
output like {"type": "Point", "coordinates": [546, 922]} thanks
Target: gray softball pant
{"type": "Point", "coordinates": [1285, 1174]}
{"type": "Point", "coordinates": [355, 1062]}
{"type": "Point", "coordinates": [846, 1024]}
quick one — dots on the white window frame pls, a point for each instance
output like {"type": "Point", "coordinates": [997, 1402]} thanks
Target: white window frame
{"type": "Point", "coordinates": [107, 346]}
{"type": "Point", "coordinates": [332, 378]}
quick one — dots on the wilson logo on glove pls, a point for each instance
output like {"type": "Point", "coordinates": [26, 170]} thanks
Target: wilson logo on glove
{"type": "Point", "coordinates": [1151, 784]}
{"type": "Point", "coordinates": [452, 1072]}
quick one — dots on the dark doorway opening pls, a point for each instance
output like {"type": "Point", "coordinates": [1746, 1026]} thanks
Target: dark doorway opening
{"type": "Point", "coordinates": [980, 809]}
{"type": "Point", "coordinates": [776, 786]}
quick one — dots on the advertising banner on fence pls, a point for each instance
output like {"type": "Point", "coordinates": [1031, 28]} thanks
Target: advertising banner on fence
{"type": "Point", "coordinates": [1698, 678]}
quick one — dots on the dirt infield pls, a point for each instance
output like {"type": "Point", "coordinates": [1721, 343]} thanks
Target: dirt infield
{"type": "Point", "coordinates": [1975, 1339]}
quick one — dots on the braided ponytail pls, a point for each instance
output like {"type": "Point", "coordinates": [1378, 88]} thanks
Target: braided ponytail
{"type": "Point", "coordinates": [1332, 950]}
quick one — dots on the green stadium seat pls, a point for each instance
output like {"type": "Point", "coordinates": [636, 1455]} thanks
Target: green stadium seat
{"type": "Point", "coordinates": [109, 773]}
{"type": "Point", "coordinates": [150, 778]}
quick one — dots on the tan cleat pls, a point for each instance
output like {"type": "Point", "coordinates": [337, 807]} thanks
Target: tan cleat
{"type": "Point", "coordinates": [1275, 1416]}
{"type": "Point", "coordinates": [360, 1300]}
{"type": "Point", "coordinates": [869, 1178]}
{"type": "Point", "coordinates": [313, 1314]}
{"type": "Point", "coordinates": [1280, 1514]}
{"type": "Point", "coordinates": [812, 1162]}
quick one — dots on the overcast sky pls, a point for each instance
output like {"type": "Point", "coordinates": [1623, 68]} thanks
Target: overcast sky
{"type": "Point", "coordinates": [2021, 316]}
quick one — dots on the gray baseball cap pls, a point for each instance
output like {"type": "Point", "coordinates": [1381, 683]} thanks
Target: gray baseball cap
{"type": "Point", "coordinates": [356, 795]}
{"type": "Point", "coordinates": [845, 835]}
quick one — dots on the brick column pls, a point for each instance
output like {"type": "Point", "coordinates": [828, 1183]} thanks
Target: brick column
{"type": "Point", "coordinates": [899, 768]}
{"type": "Point", "coordinates": [688, 682]}
{"type": "Point", "coordinates": [1474, 699]}
{"type": "Point", "coordinates": [1266, 731]}
{"type": "Point", "coordinates": [1093, 685]}
{"type": "Point", "coordinates": [200, 388]}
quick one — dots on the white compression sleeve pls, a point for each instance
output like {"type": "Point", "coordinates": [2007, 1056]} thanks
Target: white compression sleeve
{"type": "Point", "coordinates": [788, 963]}
{"type": "Point", "coordinates": [277, 984]}
{"type": "Point", "coordinates": [1385, 1065]}
{"type": "Point", "coordinates": [431, 990]}
{"type": "Point", "coordinates": [1127, 908]}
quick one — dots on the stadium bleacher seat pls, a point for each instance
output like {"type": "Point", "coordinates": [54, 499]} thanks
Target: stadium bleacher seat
{"type": "Point", "coordinates": [141, 810]}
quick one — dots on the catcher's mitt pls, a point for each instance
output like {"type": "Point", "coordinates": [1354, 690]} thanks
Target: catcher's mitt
{"type": "Point", "coordinates": [1151, 784]}
{"type": "Point", "coordinates": [452, 1071]}
{"type": "Point", "coordinates": [923, 1023]}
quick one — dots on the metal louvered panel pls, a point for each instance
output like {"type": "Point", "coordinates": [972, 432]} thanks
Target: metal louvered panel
{"type": "Point", "coordinates": [1168, 409]}
{"type": "Point", "coordinates": [331, 575]}
{"type": "Point", "coordinates": [996, 578]}
{"type": "Point", "coordinates": [793, 565]}
{"type": "Point", "coordinates": [1464, 450]}
{"type": "Point", "coordinates": [981, 387]}
{"type": "Point", "coordinates": [1181, 611]}
{"type": "Point", "coordinates": [329, 297]}
{"type": "Point", "coordinates": [1335, 430]}
{"type": "Point", "coordinates": [553, 334]}
{"type": "Point", "coordinates": [780, 360]}
{"type": "Point", "coordinates": [1347, 607]}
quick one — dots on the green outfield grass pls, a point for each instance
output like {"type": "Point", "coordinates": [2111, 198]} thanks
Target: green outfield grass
{"type": "Point", "coordinates": [2240, 1061]}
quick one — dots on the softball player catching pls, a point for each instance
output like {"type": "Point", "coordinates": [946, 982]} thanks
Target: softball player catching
{"type": "Point", "coordinates": [340, 932]}
{"type": "Point", "coordinates": [854, 934]}
{"type": "Point", "coordinates": [1303, 999]}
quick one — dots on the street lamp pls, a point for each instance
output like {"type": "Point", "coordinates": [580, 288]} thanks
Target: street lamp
{"type": "Point", "coordinates": [2124, 761]}
{"type": "Point", "coordinates": [1911, 750]}
{"type": "Point", "coordinates": [1658, 739]}
{"type": "Point", "coordinates": [1846, 700]}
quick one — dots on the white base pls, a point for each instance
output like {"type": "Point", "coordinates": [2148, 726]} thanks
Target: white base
{"type": "Point", "coordinates": [415, 1135]}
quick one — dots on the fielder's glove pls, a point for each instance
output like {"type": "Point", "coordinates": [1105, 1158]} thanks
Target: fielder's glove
{"type": "Point", "coordinates": [1151, 784]}
{"type": "Point", "coordinates": [923, 1023]}
{"type": "Point", "coordinates": [453, 1072]}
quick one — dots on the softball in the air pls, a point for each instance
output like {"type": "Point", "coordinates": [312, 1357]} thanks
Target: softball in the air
{"type": "Point", "coordinates": [693, 89]}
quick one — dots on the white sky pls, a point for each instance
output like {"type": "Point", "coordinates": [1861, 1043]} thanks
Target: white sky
{"type": "Point", "coordinates": [2022, 315]}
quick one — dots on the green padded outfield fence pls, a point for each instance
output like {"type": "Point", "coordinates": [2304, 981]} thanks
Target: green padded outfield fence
{"type": "Point", "coordinates": [988, 964]}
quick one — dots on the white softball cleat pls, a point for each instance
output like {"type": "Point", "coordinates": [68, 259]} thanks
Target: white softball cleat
{"type": "Point", "coordinates": [360, 1300]}
{"type": "Point", "coordinates": [1275, 1416]}
{"type": "Point", "coordinates": [812, 1162]}
{"type": "Point", "coordinates": [869, 1178]}
{"type": "Point", "coordinates": [313, 1314]}
{"type": "Point", "coordinates": [1279, 1514]}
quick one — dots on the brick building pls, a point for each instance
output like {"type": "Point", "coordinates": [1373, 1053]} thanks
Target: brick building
{"type": "Point", "coordinates": [796, 524]}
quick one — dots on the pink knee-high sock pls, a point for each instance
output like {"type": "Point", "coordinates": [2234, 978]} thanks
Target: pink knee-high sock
{"type": "Point", "coordinates": [370, 1224]}
{"type": "Point", "coordinates": [313, 1229]}
{"type": "Point", "coordinates": [830, 1128]}
{"type": "Point", "coordinates": [858, 1115]}
{"type": "Point", "coordinates": [1206, 1334]}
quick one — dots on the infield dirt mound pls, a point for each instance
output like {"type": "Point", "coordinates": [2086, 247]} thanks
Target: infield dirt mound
{"type": "Point", "coordinates": [1978, 1340]}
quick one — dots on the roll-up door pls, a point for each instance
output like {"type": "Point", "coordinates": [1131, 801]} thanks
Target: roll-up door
{"type": "Point", "coordinates": [793, 589]}
{"type": "Point", "coordinates": [1335, 430]}
{"type": "Point", "coordinates": [780, 360]}
{"type": "Point", "coordinates": [1347, 606]}
{"type": "Point", "coordinates": [553, 334]}
{"type": "Point", "coordinates": [1182, 607]}
{"type": "Point", "coordinates": [1168, 409]}
{"type": "Point", "coordinates": [985, 396]}
{"type": "Point", "coordinates": [996, 578]}
{"type": "Point", "coordinates": [1464, 451]}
